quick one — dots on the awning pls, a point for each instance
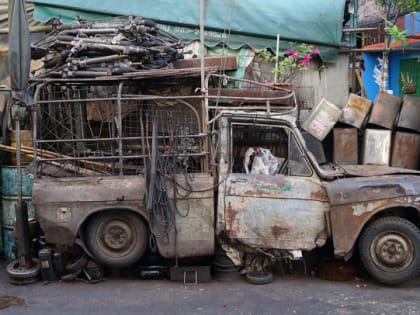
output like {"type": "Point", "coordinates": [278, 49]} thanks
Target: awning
{"type": "Point", "coordinates": [236, 23]}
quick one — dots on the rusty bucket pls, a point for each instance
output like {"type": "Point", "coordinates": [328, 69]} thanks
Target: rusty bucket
{"type": "Point", "coordinates": [377, 147]}
{"type": "Point", "coordinates": [356, 110]}
{"type": "Point", "coordinates": [406, 150]}
{"type": "Point", "coordinates": [385, 110]}
{"type": "Point", "coordinates": [345, 146]}
{"type": "Point", "coordinates": [410, 113]}
{"type": "Point", "coordinates": [322, 119]}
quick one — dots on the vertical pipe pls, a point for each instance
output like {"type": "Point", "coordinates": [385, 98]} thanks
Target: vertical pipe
{"type": "Point", "coordinates": [21, 225]}
{"type": "Point", "coordinates": [202, 47]}
{"type": "Point", "coordinates": [277, 57]}
{"type": "Point", "coordinates": [119, 127]}
{"type": "Point", "coordinates": [18, 209]}
{"type": "Point", "coordinates": [204, 88]}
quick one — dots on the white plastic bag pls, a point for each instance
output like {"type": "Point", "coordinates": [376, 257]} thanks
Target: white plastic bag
{"type": "Point", "coordinates": [264, 162]}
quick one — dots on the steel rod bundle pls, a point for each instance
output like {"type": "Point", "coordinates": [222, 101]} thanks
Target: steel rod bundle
{"type": "Point", "coordinates": [93, 49]}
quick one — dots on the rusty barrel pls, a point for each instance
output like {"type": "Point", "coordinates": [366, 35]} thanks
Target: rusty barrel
{"type": "Point", "coordinates": [410, 113]}
{"type": "Point", "coordinates": [345, 146]}
{"type": "Point", "coordinates": [356, 110]}
{"type": "Point", "coordinates": [9, 200]}
{"type": "Point", "coordinates": [385, 110]}
{"type": "Point", "coordinates": [377, 147]}
{"type": "Point", "coordinates": [406, 150]}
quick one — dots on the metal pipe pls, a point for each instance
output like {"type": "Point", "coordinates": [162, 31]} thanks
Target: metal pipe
{"type": "Point", "coordinates": [202, 46]}
{"type": "Point", "coordinates": [359, 29]}
{"type": "Point", "coordinates": [277, 57]}
{"type": "Point", "coordinates": [119, 127]}
{"type": "Point", "coordinates": [19, 217]}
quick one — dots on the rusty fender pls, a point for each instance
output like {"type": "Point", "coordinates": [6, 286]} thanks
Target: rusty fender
{"type": "Point", "coordinates": [355, 200]}
{"type": "Point", "coordinates": [63, 204]}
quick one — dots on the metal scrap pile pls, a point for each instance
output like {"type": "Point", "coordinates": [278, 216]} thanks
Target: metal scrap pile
{"type": "Point", "coordinates": [92, 49]}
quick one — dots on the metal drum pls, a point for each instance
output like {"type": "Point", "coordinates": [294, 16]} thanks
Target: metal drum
{"type": "Point", "coordinates": [9, 201]}
{"type": "Point", "coordinates": [1, 233]}
{"type": "Point", "coordinates": [322, 119]}
{"type": "Point", "coordinates": [356, 110]}
{"type": "Point", "coordinates": [9, 181]}
{"type": "Point", "coordinates": [406, 150]}
{"type": "Point", "coordinates": [345, 146]}
{"type": "Point", "coordinates": [385, 110]}
{"type": "Point", "coordinates": [410, 113]}
{"type": "Point", "coordinates": [377, 147]}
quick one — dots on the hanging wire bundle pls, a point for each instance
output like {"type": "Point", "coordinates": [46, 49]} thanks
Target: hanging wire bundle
{"type": "Point", "coordinates": [91, 49]}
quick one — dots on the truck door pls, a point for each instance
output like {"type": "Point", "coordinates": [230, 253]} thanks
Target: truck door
{"type": "Point", "coordinates": [284, 209]}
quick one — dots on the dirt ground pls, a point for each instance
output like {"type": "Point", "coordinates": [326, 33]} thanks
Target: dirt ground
{"type": "Point", "coordinates": [287, 294]}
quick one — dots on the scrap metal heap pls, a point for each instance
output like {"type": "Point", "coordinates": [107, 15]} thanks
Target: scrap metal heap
{"type": "Point", "coordinates": [92, 49]}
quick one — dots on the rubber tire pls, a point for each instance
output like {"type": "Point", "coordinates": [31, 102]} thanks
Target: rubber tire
{"type": "Point", "coordinates": [108, 256]}
{"type": "Point", "coordinates": [402, 227]}
{"type": "Point", "coordinates": [259, 277]}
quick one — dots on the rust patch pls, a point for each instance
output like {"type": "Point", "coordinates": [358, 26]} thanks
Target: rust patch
{"type": "Point", "coordinates": [319, 195]}
{"type": "Point", "coordinates": [230, 219]}
{"type": "Point", "coordinates": [278, 230]}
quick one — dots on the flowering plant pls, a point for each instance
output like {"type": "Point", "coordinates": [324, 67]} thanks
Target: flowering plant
{"type": "Point", "coordinates": [290, 62]}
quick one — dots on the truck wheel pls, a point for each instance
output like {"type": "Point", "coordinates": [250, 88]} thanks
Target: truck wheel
{"type": "Point", "coordinates": [116, 239]}
{"type": "Point", "coordinates": [390, 250]}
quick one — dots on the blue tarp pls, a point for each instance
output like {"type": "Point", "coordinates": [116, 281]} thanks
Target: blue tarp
{"type": "Point", "coordinates": [236, 23]}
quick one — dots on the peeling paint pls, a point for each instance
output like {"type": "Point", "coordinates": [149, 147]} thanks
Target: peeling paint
{"type": "Point", "coordinates": [360, 209]}
{"type": "Point", "coordinates": [286, 187]}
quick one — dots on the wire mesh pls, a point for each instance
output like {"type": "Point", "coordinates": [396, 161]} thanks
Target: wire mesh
{"type": "Point", "coordinates": [92, 129]}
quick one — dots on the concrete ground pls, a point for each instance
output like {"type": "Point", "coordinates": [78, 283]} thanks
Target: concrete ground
{"type": "Point", "coordinates": [288, 294]}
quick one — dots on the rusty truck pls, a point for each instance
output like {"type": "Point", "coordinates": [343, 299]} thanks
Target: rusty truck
{"type": "Point", "coordinates": [119, 169]}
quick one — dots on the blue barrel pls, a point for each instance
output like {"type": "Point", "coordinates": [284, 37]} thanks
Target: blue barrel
{"type": "Point", "coordinates": [9, 181]}
{"type": "Point", "coordinates": [1, 231]}
{"type": "Point", "coordinates": [9, 199]}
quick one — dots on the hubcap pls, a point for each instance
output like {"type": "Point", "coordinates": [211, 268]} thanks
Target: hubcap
{"type": "Point", "coordinates": [117, 235]}
{"type": "Point", "coordinates": [392, 251]}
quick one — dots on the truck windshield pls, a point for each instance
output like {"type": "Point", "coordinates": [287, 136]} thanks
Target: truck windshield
{"type": "Point", "coordinates": [266, 149]}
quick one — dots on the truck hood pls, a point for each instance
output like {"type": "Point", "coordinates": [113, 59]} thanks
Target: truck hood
{"type": "Point", "coordinates": [331, 171]}
{"type": "Point", "coordinates": [367, 189]}
{"type": "Point", "coordinates": [375, 170]}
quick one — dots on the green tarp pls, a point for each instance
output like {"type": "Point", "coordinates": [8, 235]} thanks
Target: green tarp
{"type": "Point", "coordinates": [236, 23]}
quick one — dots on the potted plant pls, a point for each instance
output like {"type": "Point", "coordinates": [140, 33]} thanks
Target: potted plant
{"type": "Point", "coordinates": [291, 62]}
{"type": "Point", "coordinates": [408, 86]}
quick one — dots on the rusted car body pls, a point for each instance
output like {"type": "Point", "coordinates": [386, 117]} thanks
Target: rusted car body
{"type": "Point", "coordinates": [295, 208]}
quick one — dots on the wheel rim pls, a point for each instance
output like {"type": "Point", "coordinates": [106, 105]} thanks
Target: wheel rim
{"type": "Point", "coordinates": [392, 251]}
{"type": "Point", "coordinates": [115, 237]}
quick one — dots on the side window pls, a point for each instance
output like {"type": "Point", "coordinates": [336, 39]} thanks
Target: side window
{"type": "Point", "coordinates": [267, 150]}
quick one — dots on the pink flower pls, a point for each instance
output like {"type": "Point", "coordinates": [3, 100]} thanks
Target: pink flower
{"type": "Point", "coordinates": [315, 51]}
{"type": "Point", "coordinates": [305, 60]}
{"type": "Point", "coordinates": [292, 53]}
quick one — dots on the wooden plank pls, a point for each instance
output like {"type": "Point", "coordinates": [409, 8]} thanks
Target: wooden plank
{"type": "Point", "coordinates": [219, 62]}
